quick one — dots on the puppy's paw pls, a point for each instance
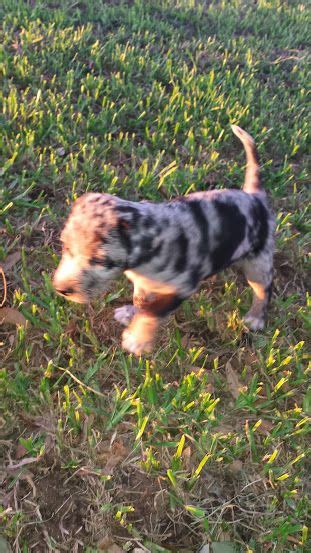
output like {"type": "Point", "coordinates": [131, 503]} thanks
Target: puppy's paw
{"type": "Point", "coordinates": [134, 344]}
{"type": "Point", "coordinates": [254, 323]}
{"type": "Point", "coordinates": [125, 314]}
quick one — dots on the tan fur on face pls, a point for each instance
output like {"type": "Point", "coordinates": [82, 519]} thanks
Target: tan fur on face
{"type": "Point", "coordinates": [84, 240]}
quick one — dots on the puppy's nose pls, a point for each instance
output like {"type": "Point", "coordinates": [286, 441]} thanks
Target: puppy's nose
{"type": "Point", "coordinates": [65, 291]}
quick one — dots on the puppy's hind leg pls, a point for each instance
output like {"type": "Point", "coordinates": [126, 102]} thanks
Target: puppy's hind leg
{"type": "Point", "coordinates": [259, 274]}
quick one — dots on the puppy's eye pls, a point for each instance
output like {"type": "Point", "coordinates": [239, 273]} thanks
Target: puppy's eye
{"type": "Point", "coordinates": [96, 261]}
{"type": "Point", "coordinates": [109, 264]}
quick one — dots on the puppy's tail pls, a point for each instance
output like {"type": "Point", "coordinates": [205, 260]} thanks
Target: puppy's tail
{"type": "Point", "coordinates": [252, 182]}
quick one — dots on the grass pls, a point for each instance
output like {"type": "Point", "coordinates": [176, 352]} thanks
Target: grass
{"type": "Point", "coordinates": [207, 440]}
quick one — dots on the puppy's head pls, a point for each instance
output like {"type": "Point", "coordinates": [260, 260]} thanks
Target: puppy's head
{"type": "Point", "coordinates": [93, 253]}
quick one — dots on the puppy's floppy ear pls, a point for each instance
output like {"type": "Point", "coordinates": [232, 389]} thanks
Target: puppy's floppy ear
{"type": "Point", "coordinates": [123, 229]}
{"type": "Point", "coordinates": [128, 216]}
{"type": "Point", "coordinates": [99, 237]}
{"type": "Point", "coordinates": [124, 224]}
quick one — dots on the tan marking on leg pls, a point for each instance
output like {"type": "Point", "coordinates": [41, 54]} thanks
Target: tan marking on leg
{"type": "Point", "coordinates": [256, 315]}
{"type": "Point", "coordinates": [151, 302]}
{"type": "Point", "coordinates": [140, 335]}
{"type": "Point", "coordinates": [151, 299]}
{"type": "Point", "coordinates": [143, 283]}
{"type": "Point", "coordinates": [259, 273]}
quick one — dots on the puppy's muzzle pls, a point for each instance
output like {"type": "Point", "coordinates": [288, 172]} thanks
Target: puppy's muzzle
{"type": "Point", "coordinates": [65, 291]}
{"type": "Point", "coordinates": [69, 291]}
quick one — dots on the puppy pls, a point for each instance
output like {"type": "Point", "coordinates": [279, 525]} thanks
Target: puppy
{"type": "Point", "coordinates": [166, 249]}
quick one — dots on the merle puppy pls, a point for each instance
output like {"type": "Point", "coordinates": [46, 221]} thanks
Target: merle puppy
{"type": "Point", "coordinates": [166, 249]}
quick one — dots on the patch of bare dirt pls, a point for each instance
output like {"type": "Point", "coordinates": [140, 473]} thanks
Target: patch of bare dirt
{"type": "Point", "coordinates": [145, 492]}
{"type": "Point", "coordinates": [62, 508]}
{"type": "Point", "coordinates": [287, 279]}
{"type": "Point", "coordinates": [52, 511]}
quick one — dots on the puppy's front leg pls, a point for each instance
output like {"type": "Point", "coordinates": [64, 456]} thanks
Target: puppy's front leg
{"type": "Point", "coordinates": [139, 336]}
{"type": "Point", "coordinates": [125, 314]}
{"type": "Point", "coordinates": [151, 309]}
